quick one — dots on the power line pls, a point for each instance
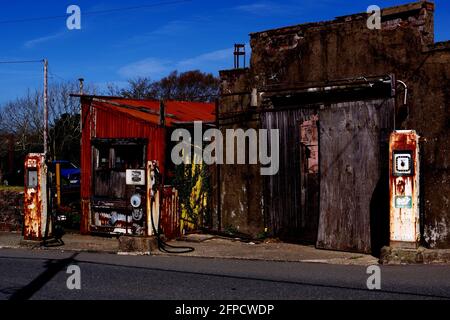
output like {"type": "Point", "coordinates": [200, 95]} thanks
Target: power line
{"type": "Point", "coordinates": [157, 4]}
{"type": "Point", "coordinates": [32, 61]}
{"type": "Point", "coordinates": [55, 75]}
{"type": "Point", "coordinates": [21, 61]}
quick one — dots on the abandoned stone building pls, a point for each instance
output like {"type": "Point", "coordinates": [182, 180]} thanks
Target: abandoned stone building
{"type": "Point", "coordinates": [336, 90]}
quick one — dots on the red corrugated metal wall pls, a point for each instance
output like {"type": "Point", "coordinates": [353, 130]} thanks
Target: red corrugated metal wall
{"type": "Point", "coordinates": [99, 122]}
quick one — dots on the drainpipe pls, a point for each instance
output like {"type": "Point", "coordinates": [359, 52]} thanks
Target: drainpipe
{"type": "Point", "coordinates": [406, 91]}
{"type": "Point", "coordinates": [218, 195]}
{"type": "Point", "coordinates": [405, 98]}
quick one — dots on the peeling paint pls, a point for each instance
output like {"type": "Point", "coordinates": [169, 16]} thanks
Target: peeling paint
{"type": "Point", "coordinates": [436, 232]}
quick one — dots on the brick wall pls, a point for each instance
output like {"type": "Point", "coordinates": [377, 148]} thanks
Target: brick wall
{"type": "Point", "coordinates": [11, 213]}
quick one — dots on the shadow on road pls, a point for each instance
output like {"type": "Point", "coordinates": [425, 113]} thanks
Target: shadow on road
{"type": "Point", "coordinates": [53, 267]}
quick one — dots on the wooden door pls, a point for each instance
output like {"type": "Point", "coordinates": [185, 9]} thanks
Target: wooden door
{"type": "Point", "coordinates": [350, 171]}
{"type": "Point", "coordinates": [291, 196]}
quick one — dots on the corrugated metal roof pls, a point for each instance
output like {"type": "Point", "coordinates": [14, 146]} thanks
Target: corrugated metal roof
{"type": "Point", "coordinates": [148, 110]}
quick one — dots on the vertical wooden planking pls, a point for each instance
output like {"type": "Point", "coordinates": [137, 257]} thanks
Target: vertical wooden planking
{"type": "Point", "coordinates": [350, 170]}
{"type": "Point", "coordinates": [283, 194]}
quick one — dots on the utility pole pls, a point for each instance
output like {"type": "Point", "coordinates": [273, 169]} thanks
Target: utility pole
{"type": "Point", "coordinates": [81, 80]}
{"type": "Point", "coordinates": [45, 106]}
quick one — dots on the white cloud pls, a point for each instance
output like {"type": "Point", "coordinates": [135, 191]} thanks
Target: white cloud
{"type": "Point", "coordinates": [268, 8]}
{"type": "Point", "coordinates": [206, 58]}
{"type": "Point", "coordinates": [156, 68]}
{"type": "Point", "coordinates": [172, 28]}
{"type": "Point", "coordinates": [256, 7]}
{"type": "Point", "coordinates": [40, 40]}
{"type": "Point", "coordinates": [150, 67]}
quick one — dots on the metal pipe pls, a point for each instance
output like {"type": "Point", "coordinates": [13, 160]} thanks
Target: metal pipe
{"type": "Point", "coordinates": [404, 101]}
{"type": "Point", "coordinates": [218, 194]}
{"type": "Point", "coordinates": [58, 184]}
{"type": "Point", "coordinates": [406, 91]}
{"type": "Point", "coordinates": [81, 81]}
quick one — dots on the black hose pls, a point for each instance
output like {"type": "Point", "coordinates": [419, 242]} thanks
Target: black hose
{"type": "Point", "coordinates": [162, 245]}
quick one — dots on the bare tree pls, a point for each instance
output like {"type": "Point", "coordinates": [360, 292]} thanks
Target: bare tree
{"type": "Point", "coordinates": [23, 118]}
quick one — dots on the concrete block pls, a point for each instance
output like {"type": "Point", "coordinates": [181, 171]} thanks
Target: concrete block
{"type": "Point", "coordinates": [138, 245]}
{"type": "Point", "coordinates": [421, 255]}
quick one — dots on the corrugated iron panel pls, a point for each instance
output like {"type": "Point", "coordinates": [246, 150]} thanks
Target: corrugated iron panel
{"type": "Point", "coordinates": [176, 111]}
{"type": "Point", "coordinates": [191, 111]}
{"type": "Point", "coordinates": [170, 213]}
{"type": "Point", "coordinates": [116, 125]}
{"type": "Point", "coordinates": [86, 165]}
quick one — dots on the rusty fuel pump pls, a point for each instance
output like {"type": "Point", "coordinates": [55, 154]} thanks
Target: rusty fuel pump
{"type": "Point", "coordinates": [36, 202]}
{"type": "Point", "coordinates": [41, 223]}
{"type": "Point", "coordinates": [404, 189]}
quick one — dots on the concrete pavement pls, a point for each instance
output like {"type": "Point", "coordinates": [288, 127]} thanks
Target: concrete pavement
{"type": "Point", "coordinates": [217, 247]}
{"type": "Point", "coordinates": [206, 246]}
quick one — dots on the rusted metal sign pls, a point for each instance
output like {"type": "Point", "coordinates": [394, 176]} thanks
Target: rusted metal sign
{"type": "Point", "coordinates": [404, 189]}
{"type": "Point", "coordinates": [310, 142]}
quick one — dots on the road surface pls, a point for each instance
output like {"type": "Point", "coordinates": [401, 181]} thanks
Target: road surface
{"type": "Point", "coordinates": [42, 274]}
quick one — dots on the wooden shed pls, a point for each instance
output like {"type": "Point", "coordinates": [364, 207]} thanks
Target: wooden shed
{"type": "Point", "coordinates": [121, 138]}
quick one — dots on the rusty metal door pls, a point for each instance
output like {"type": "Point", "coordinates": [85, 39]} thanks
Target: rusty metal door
{"type": "Point", "coordinates": [351, 166]}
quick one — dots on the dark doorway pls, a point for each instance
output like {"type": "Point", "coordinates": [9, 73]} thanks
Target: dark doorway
{"type": "Point", "coordinates": [291, 197]}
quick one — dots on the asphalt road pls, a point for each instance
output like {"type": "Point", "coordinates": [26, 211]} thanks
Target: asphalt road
{"type": "Point", "coordinates": [36, 274]}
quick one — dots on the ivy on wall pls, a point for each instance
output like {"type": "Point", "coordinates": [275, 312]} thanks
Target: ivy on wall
{"type": "Point", "coordinates": [193, 183]}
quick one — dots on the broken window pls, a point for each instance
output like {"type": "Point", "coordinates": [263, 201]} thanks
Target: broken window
{"type": "Point", "coordinates": [129, 157]}
{"type": "Point", "coordinates": [112, 157]}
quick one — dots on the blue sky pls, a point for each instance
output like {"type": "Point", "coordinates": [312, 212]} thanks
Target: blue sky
{"type": "Point", "coordinates": [112, 47]}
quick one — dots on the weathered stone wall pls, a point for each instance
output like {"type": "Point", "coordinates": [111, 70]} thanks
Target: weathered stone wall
{"type": "Point", "coordinates": [240, 184]}
{"type": "Point", "coordinates": [431, 117]}
{"type": "Point", "coordinates": [320, 53]}
{"type": "Point", "coordinates": [11, 212]}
